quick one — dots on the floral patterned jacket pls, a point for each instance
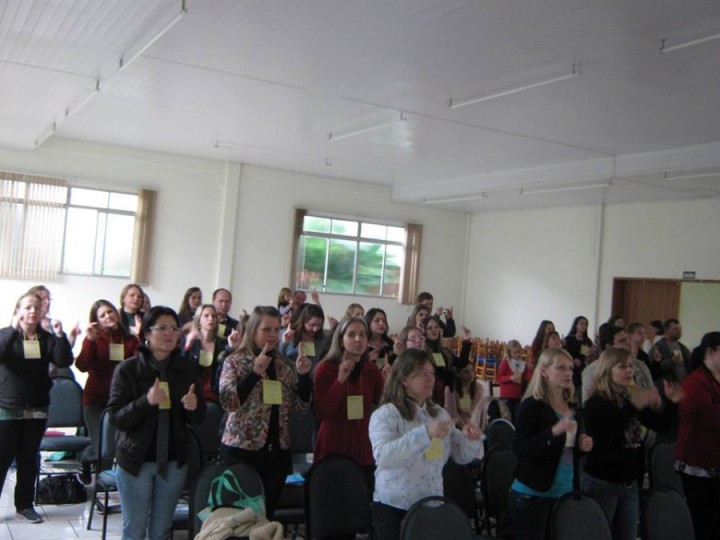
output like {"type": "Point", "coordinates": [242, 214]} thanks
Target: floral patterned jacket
{"type": "Point", "coordinates": [248, 423]}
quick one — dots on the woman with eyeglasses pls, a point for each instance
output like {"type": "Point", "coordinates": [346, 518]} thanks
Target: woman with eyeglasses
{"type": "Point", "coordinates": [26, 351]}
{"type": "Point", "coordinates": [412, 438]}
{"type": "Point", "coordinates": [106, 344]}
{"type": "Point", "coordinates": [259, 388]}
{"type": "Point", "coordinates": [348, 387]}
{"type": "Point", "coordinates": [153, 398]}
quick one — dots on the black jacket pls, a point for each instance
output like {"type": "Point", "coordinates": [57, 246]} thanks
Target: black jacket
{"type": "Point", "coordinates": [537, 449]}
{"type": "Point", "coordinates": [136, 420]}
{"type": "Point", "coordinates": [25, 382]}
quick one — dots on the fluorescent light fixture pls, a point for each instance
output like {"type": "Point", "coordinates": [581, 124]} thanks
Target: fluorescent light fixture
{"type": "Point", "coordinates": [664, 48]}
{"type": "Point", "coordinates": [274, 152]}
{"type": "Point", "coordinates": [332, 136]}
{"type": "Point", "coordinates": [46, 134]}
{"type": "Point", "coordinates": [670, 176]}
{"type": "Point", "coordinates": [80, 104]}
{"type": "Point", "coordinates": [568, 187]}
{"type": "Point", "coordinates": [482, 195]}
{"type": "Point", "coordinates": [128, 58]}
{"type": "Point", "coordinates": [457, 103]}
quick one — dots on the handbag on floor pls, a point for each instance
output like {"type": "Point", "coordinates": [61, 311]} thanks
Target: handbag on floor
{"type": "Point", "coordinates": [60, 489]}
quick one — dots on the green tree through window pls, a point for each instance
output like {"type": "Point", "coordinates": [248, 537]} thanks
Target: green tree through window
{"type": "Point", "coordinates": [350, 257]}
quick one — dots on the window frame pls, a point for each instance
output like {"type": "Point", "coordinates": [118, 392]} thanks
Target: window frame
{"type": "Point", "coordinates": [357, 239]}
{"type": "Point", "coordinates": [100, 211]}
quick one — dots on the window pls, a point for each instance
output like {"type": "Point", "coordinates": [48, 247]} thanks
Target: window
{"type": "Point", "coordinates": [49, 227]}
{"type": "Point", "coordinates": [350, 257]}
{"type": "Point", "coordinates": [99, 232]}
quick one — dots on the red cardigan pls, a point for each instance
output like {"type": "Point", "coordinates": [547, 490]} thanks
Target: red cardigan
{"type": "Point", "coordinates": [337, 434]}
{"type": "Point", "coordinates": [508, 388]}
{"type": "Point", "coordinates": [699, 431]}
{"type": "Point", "coordinates": [94, 359]}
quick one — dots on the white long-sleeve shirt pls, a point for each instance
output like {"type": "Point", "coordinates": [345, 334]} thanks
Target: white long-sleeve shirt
{"type": "Point", "coordinates": [404, 475]}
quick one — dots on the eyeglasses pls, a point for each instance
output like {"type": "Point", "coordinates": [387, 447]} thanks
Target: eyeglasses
{"type": "Point", "coordinates": [162, 328]}
{"type": "Point", "coordinates": [416, 339]}
{"type": "Point", "coordinates": [426, 373]}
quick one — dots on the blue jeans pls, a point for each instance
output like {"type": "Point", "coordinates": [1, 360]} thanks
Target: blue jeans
{"type": "Point", "coordinates": [620, 503]}
{"type": "Point", "coordinates": [149, 500]}
{"type": "Point", "coordinates": [530, 515]}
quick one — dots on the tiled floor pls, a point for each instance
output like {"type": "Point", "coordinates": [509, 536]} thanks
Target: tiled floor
{"type": "Point", "coordinates": [61, 522]}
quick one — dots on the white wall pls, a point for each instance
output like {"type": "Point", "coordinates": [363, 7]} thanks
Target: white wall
{"type": "Point", "coordinates": [527, 265]}
{"type": "Point", "coordinates": [228, 225]}
{"type": "Point", "coordinates": [268, 199]}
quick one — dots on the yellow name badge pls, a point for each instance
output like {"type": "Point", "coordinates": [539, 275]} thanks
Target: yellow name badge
{"type": "Point", "coordinates": [584, 350]}
{"type": "Point", "coordinates": [464, 403]}
{"type": "Point", "coordinates": [355, 407]}
{"type": "Point", "coordinates": [165, 404]}
{"type": "Point", "coordinates": [221, 329]}
{"type": "Point", "coordinates": [272, 392]}
{"type": "Point", "coordinates": [117, 352]}
{"type": "Point", "coordinates": [435, 450]}
{"type": "Point", "coordinates": [380, 362]}
{"type": "Point", "coordinates": [31, 349]}
{"type": "Point", "coordinates": [308, 348]}
{"type": "Point", "coordinates": [439, 359]}
{"type": "Point", "coordinates": [206, 358]}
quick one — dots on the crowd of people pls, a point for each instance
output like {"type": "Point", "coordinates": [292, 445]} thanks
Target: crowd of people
{"type": "Point", "coordinates": [399, 407]}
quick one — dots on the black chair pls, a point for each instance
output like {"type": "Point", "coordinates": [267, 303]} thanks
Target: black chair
{"type": "Point", "coordinates": [337, 500]}
{"type": "Point", "coordinates": [578, 515]}
{"type": "Point", "coordinates": [435, 518]}
{"type": "Point", "coordinates": [459, 487]}
{"type": "Point", "coordinates": [500, 432]}
{"type": "Point", "coordinates": [209, 431]}
{"type": "Point", "coordinates": [661, 466]}
{"type": "Point", "coordinates": [203, 500]}
{"type": "Point", "coordinates": [290, 510]}
{"type": "Point", "coordinates": [105, 476]}
{"type": "Point", "coordinates": [666, 515]}
{"type": "Point", "coordinates": [65, 411]}
{"type": "Point", "coordinates": [498, 473]}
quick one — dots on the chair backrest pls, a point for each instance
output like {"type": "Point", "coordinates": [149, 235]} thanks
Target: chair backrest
{"type": "Point", "coordinates": [65, 408]}
{"type": "Point", "coordinates": [435, 518]}
{"type": "Point", "coordinates": [577, 515]}
{"type": "Point", "coordinates": [209, 431]}
{"type": "Point", "coordinates": [666, 515]}
{"type": "Point", "coordinates": [498, 473]}
{"type": "Point", "coordinates": [337, 498]}
{"type": "Point", "coordinates": [499, 432]}
{"type": "Point", "coordinates": [106, 442]}
{"type": "Point", "coordinates": [302, 425]}
{"type": "Point", "coordinates": [459, 487]}
{"type": "Point", "coordinates": [661, 467]}
{"type": "Point", "coordinates": [218, 484]}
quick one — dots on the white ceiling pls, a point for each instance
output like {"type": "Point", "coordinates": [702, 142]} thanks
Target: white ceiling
{"type": "Point", "coordinates": [271, 79]}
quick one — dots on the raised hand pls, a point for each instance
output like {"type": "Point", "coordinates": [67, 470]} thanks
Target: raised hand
{"type": "Point", "coordinates": [288, 335]}
{"type": "Point", "coordinates": [261, 362]}
{"type": "Point", "coordinates": [646, 397]}
{"type": "Point", "coordinates": [57, 327]}
{"type": "Point", "coordinates": [472, 432]}
{"type": "Point", "coordinates": [190, 400]}
{"type": "Point", "coordinates": [156, 395]}
{"type": "Point", "coordinates": [673, 391]}
{"type": "Point", "coordinates": [315, 296]}
{"type": "Point", "coordinates": [346, 366]}
{"type": "Point", "coordinates": [235, 338]}
{"type": "Point", "coordinates": [449, 313]}
{"type": "Point", "coordinates": [91, 331]}
{"type": "Point", "coordinates": [467, 334]}
{"type": "Point", "coordinates": [332, 321]}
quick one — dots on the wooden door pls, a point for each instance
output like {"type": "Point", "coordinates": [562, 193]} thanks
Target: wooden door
{"type": "Point", "coordinates": [646, 299]}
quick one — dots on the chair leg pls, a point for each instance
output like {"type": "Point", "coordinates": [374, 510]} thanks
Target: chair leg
{"type": "Point", "coordinates": [105, 514]}
{"type": "Point", "coordinates": [93, 496]}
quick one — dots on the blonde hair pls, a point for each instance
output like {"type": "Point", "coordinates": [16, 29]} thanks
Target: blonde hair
{"type": "Point", "coordinates": [538, 386]}
{"type": "Point", "coordinates": [602, 380]}
{"type": "Point", "coordinates": [198, 315]}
